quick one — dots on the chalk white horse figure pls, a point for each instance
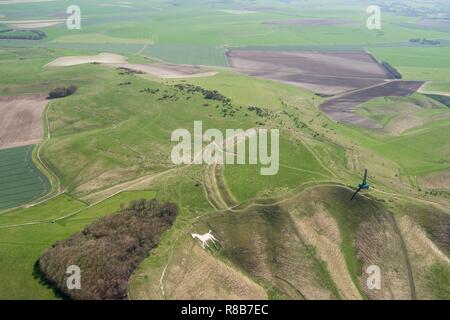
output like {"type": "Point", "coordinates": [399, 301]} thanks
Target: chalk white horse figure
{"type": "Point", "coordinates": [205, 238]}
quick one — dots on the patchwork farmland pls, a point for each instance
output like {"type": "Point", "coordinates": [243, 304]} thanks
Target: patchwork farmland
{"type": "Point", "coordinates": [321, 72]}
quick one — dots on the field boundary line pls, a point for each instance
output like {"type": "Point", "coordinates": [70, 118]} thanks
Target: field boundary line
{"type": "Point", "coordinates": [43, 169]}
{"type": "Point", "coordinates": [46, 167]}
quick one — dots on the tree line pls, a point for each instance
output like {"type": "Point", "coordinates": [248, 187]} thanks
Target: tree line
{"type": "Point", "coordinates": [62, 92]}
{"type": "Point", "coordinates": [392, 70]}
{"type": "Point", "coordinates": [107, 251]}
{"type": "Point", "coordinates": [13, 34]}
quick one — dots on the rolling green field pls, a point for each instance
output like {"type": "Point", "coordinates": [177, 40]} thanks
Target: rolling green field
{"type": "Point", "coordinates": [21, 182]}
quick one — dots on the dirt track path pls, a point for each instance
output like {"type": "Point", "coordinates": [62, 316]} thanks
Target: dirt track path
{"type": "Point", "coordinates": [412, 285]}
{"type": "Point", "coordinates": [216, 190]}
{"type": "Point", "coordinates": [211, 188]}
{"type": "Point", "coordinates": [125, 186]}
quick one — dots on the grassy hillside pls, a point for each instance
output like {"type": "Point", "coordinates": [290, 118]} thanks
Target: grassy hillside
{"type": "Point", "coordinates": [316, 244]}
{"type": "Point", "coordinates": [401, 115]}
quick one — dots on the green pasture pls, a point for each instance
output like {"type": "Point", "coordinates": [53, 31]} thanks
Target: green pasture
{"type": "Point", "coordinates": [438, 86]}
{"type": "Point", "coordinates": [297, 166]}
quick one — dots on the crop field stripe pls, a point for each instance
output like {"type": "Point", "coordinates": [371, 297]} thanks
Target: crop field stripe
{"type": "Point", "coordinates": [11, 151]}
{"type": "Point", "coordinates": [9, 166]}
{"type": "Point", "coordinates": [20, 183]}
{"type": "Point", "coordinates": [22, 190]}
{"type": "Point", "coordinates": [16, 193]}
{"type": "Point", "coordinates": [9, 158]}
{"type": "Point", "coordinates": [20, 180]}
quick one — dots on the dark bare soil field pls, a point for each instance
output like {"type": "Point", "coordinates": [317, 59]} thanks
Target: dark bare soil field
{"type": "Point", "coordinates": [341, 108]}
{"type": "Point", "coordinates": [321, 72]}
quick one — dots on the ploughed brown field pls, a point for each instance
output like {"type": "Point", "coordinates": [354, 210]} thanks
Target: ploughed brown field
{"type": "Point", "coordinates": [21, 120]}
{"type": "Point", "coordinates": [342, 108]}
{"type": "Point", "coordinates": [322, 72]}
{"type": "Point", "coordinates": [434, 23]}
{"type": "Point", "coordinates": [356, 76]}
